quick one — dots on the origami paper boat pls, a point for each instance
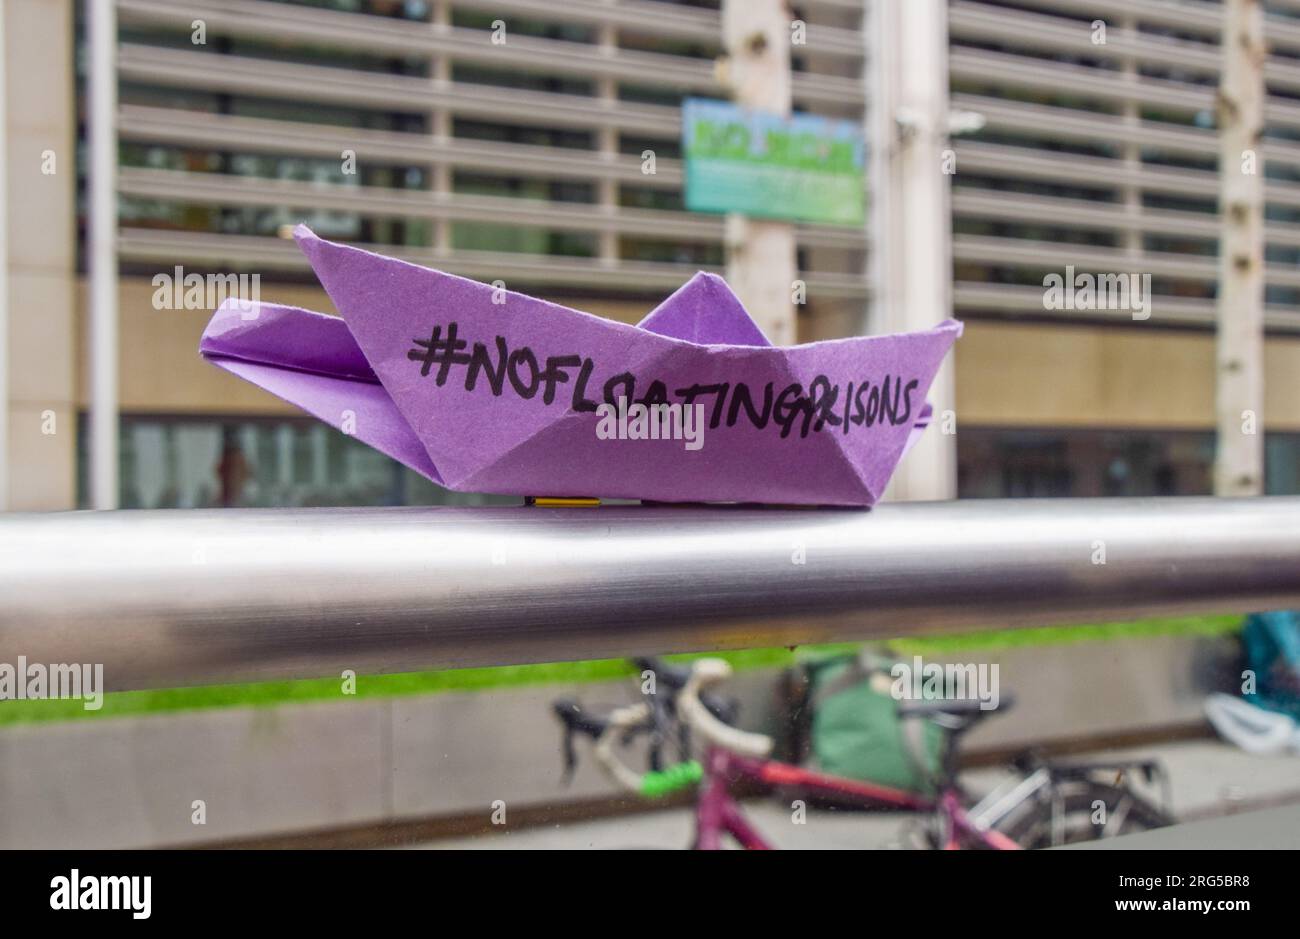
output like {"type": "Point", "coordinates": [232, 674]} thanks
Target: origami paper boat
{"type": "Point", "coordinates": [485, 390]}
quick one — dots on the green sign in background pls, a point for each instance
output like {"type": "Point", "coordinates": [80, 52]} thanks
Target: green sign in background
{"type": "Point", "coordinates": [803, 168]}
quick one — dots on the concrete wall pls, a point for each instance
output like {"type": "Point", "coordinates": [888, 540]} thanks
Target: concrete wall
{"type": "Point", "coordinates": [132, 782]}
{"type": "Point", "coordinates": [1059, 375]}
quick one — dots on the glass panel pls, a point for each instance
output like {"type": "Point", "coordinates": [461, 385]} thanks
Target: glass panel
{"type": "Point", "coordinates": [189, 463]}
{"type": "Point", "coordinates": [1004, 463]}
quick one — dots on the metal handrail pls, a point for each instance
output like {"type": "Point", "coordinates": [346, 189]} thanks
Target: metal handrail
{"type": "Point", "coordinates": [183, 597]}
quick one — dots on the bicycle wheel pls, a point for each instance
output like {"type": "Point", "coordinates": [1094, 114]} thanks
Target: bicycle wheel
{"type": "Point", "coordinates": [1079, 815]}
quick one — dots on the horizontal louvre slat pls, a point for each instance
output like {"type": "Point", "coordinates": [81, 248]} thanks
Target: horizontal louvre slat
{"type": "Point", "coordinates": [267, 136]}
{"type": "Point", "coordinates": [281, 254]}
{"type": "Point", "coordinates": [258, 77]}
{"type": "Point", "coordinates": [1034, 74]}
{"type": "Point", "coordinates": [1046, 255]}
{"type": "Point", "coordinates": [1190, 16]}
{"type": "Point", "coordinates": [1166, 310]}
{"type": "Point", "coordinates": [1023, 72]}
{"type": "Point", "coordinates": [1003, 206]}
{"type": "Point", "coordinates": [1043, 33]}
{"type": "Point", "coordinates": [1083, 127]}
{"type": "Point", "coordinates": [217, 189]}
{"type": "Point", "coordinates": [660, 19]}
{"type": "Point", "coordinates": [254, 19]}
{"type": "Point", "coordinates": [1023, 163]}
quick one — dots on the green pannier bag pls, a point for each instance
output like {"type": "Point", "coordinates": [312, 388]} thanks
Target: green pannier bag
{"type": "Point", "coordinates": [857, 731]}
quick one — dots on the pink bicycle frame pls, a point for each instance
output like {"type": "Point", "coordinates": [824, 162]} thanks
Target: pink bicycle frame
{"type": "Point", "coordinates": [717, 812]}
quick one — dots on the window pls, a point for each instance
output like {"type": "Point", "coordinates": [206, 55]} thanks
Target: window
{"type": "Point", "coordinates": [1011, 463]}
{"type": "Point", "coordinates": [175, 462]}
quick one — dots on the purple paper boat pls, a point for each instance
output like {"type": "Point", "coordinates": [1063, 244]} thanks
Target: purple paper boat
{"type": "Point", "coordinates": [485, 390]}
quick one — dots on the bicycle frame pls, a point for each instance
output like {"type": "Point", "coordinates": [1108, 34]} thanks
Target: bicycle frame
{"type": "Point", "coordinates": [1042, 783]}
{"type": "Point", "coordinates": [717, 812]}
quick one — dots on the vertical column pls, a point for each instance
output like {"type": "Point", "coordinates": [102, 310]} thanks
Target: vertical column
{"type": "Point", "coordinates": [4, 270]}
{"type": "Point", "coordinates": [761, 254]}
{"type": "Point", "coordinates": [1239, 462]}
{"type": "Point", "coordinates": [1132, 238]}
{"type": "Point", "coordinates": [880, 70]}
{"type": "Point", "coordinates": [442, 130]}
{"type": "Point", "coordinates": [607, 143]}
{"type": "Point", "coordinates": [912, 215]}
{"type": "Point", "coordinates": [102, 87]}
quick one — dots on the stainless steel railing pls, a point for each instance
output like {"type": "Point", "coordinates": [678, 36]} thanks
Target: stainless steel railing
{"type": "Point", "coordinates": [183, 597]}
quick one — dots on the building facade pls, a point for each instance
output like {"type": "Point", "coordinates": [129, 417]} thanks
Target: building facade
{"type": "Point", "coordinates": [509, 139]}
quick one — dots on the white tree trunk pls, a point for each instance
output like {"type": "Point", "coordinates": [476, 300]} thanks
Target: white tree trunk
{"type": "Point", "coordinates": [761, 254]}
{"type": "Point", "coordinates": [1239, 366]}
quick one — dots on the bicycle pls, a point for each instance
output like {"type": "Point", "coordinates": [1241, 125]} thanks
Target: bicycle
{"type": "Point", "coordinates": [1050, 803]}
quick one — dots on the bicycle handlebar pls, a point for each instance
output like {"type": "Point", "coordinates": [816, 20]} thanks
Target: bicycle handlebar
{"type": "Point", "coordinates": [704, 673]}
{"type": "Point", "coordinates": [693, 706]}
{"type": "Point", "coordinates": [619, 720]}
{"type": "Point", "coordinates": [652, 785]}
{"type": "Point", "coordinates": [576, 719]}
{"type": "Point", "coordinates": [604, 731]}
